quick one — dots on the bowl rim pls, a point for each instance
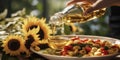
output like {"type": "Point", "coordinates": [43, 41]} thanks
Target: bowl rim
{"type": "Point", "coordinates": [81, 36]}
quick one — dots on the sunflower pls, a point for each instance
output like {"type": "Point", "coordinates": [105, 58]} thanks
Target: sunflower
{"type": "Point", "coordinates": [29, 24]}
{"type": "Point", "coordinates": [31, 38]}
{"type": "Point", "coordinates": [33, 22]}
{"type": "Point", "coordinates": [13, 45]}
{"type": "Point", "coordinates": [45, 31]}
{"type": "Point", "coordinates": [42, 44]}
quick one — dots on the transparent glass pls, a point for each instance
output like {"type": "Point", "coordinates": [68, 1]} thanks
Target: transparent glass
{"type": "Point", "coordinates": [74, 14]}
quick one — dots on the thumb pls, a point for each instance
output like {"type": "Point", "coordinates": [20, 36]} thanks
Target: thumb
{"type": "Point", "coordinates": [97, 5]}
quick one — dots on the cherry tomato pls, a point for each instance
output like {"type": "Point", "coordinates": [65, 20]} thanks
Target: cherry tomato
{"type": "Point", "coordinates": [115, 46]}
{"type": "Point", "coordinates": [104, 52]}
{"type": "Point", "coordinates": [64, 53]}
{"type": "Point", "coordinates": [84, 40]}
{"type": "Point", "coordinates": [88, 49]}
{"type": "Point", "coordinates": [75, 38]}
{"type": "Point", "coordinates": [103, 45]}
{"type": "Point", "coordinates": [97, 41]}
{"type": "Point", "coordinates": [69, 47]}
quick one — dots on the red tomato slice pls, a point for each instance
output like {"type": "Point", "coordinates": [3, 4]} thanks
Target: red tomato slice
{"type": "Point", "coordinates": [88, 49]}
{"type": "Point", "coordinates": [75, 38]}
{"type": "Point", "coordinates": [64, 53]}
{"type": "Point", "coordinates": [69, 47]}
{"type": "Point", "coordinates": [104, 52]}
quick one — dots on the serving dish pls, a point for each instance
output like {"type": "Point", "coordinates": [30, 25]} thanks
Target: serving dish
{"type": "Point", "coordinates": [106, 57]}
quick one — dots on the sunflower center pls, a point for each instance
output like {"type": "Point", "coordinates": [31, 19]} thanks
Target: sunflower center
{"type": "Point", "coordinates": [13, 44]}
{"type": "Point", "coordinates": [29, 41]}
{"type": "Point", "coordinates": [41, 34]}
{"type": "Point", "coordinates": [43, 46]}
{"type": "Point", "coordinates": [33, 26]}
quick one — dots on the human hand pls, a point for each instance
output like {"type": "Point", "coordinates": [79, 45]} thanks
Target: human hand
{"type": "Point", "coordinates": [96, 4]}
{"type": "Point", "coordinates": [76, 1]}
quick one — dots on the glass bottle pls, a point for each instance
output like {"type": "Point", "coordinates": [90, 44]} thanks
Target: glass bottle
{"type": "Point", "coordinates": [74, 14]}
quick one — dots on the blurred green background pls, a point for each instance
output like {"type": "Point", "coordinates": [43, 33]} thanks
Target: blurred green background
{"type": "Point", "coordinates": [46, 8]}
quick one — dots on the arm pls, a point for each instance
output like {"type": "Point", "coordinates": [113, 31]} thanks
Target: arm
{"type": "Point", "coordinates": [97, 4]}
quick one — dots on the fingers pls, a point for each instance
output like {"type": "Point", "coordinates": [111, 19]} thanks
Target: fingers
{"type": "Point", "coordinates": [73, 2]}
{"type": "Point", "coordinates": [97, 5]}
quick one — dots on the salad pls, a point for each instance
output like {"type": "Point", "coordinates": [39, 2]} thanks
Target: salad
{"type": "Point", "coordinates": [88, 47]}
{"type": "Point", "coordinates": [84, 47]}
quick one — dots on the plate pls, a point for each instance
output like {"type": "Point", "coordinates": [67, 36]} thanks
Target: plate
{"type": "Point", "coordinates": [106, 57]}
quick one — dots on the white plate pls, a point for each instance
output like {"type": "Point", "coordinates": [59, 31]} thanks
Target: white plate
{"type": "Point", "coordinates": [55, 57]}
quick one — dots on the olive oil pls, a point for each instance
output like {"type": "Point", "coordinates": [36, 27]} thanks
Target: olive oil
{"type": "Point", "coordinates": [73, 18]}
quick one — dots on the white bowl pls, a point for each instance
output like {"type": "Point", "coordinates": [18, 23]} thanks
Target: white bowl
{"type": "Point", "coordinates": [106, 57]}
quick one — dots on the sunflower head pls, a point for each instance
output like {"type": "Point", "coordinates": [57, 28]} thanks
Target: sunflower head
{"type": "Point", "coordinates": [29, 24]}
{"type": "Point", "coordinates": [33, 22]}
{"type": "Point", "coordinates": [45, 31]}
{"type": "Point", "coordinates": [13, 45]}
{"type": "Point", "coordinates": [43, 44]}
{"type": "Point", "coordinates": [31, 38]}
